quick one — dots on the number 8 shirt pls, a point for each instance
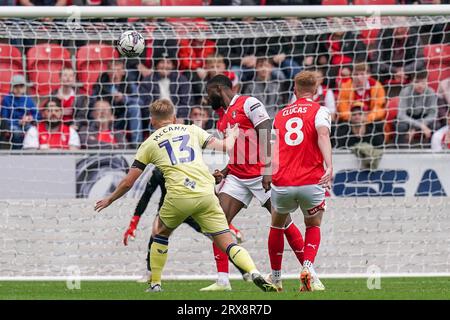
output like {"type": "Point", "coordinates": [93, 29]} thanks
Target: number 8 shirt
{"type": "Point", "coordinates": [299, 161]}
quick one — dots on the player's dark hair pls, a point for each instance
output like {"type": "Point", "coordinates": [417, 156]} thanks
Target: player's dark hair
{"type": "Point", "coordinates": [221, 80]}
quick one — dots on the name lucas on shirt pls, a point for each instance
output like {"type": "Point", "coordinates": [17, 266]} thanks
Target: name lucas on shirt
{"type": "Point", "coordinates": [295, 110]}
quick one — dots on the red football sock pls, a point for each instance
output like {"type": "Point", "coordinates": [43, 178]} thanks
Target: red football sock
{"type": "Point", "coordinates": [295, 240]}
{"type": "Point", "coordinates": [276, 247]}
{"type": "Point", "coordinates": [236, 230]}
{"type": "Point", "coordinates": [312, 242]}
{"type": "Point", "coordinates": [221, 259]}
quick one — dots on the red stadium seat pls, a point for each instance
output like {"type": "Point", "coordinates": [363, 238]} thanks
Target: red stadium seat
{"type": "Point", "coordinates": [92, 59]}
{"type": "Point", "coordinates": [129, 2]}
{"type": "Point", "coordinates": [10, 64]}
{"type": "Point", "coordinates": [44, 64]}
{"type": "Point", "coordinates": [374, 2]}
{"type": "Point", "coordinates": [334, 2]}
{"type": "Point", "coordinates": [181, 2]}
{"type": "Point", "coordinates": [369, 36]}
{"type": "Point", "coordinates": [438, 63]}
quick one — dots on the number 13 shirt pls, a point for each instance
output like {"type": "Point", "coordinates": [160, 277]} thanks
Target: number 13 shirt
{"type": "Point", "coordinates": [299, 161]}
{"type": "Point", "coordinates": [176, 150]}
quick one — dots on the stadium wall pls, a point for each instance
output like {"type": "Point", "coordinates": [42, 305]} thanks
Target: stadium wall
{"type": "Point", "coordinates": [84, 175]}
{"type": "Point", "coordinates": [53, 237]}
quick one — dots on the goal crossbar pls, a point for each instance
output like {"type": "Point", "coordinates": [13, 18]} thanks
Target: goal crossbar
{"type": "Point", "coordinates": [227, 11]}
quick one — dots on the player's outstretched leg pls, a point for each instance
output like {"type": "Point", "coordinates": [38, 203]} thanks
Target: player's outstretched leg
{"type": "Point", "coordinates": [231, 207]}
{"type": "Point", "coordinates": [294, 238]}
{"type": "Point", "coordinates": [292, 234]}
{"type": "Point", "coordinates": [241, 258]}
{"type": "Point", "coordinates": [276, 248]}
{"type": "Point", "coordinates": [223, 281]}
{"type": "Point", "coordinates": [308, 277]}
{"type": "Point", "coordinates": [158, 254]}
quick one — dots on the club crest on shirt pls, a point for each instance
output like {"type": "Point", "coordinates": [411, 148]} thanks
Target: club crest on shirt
{"type": "Point", "coordinates": [233, 114]}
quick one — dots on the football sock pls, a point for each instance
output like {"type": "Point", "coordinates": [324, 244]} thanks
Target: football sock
{"type": "Point", "coordinates": [221, 259]}
{"type": "Point", "coordinates": [241, 258]}
{"type": "Point", "coordinates": [148, 253]}
{"type": "Point", "coordinates": [158, 257]}
{"type": "Point", "coordinates": [295, 240]}
{"type": "Point", "coordinates": [312, 242]}
{"type": "Point", "coordinates": [276, 248]}
{"type": "Point", "coordinates": [222, 278]}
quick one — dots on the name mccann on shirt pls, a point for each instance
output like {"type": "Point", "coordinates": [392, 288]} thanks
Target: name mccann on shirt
{"type": "Point", "coordinates": [168, 129]}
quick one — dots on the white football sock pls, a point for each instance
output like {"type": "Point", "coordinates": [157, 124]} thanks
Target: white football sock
{"type": "Point", "coordinates": [276, 275]}
{"type": "Point", "coordinates": [223, 278]}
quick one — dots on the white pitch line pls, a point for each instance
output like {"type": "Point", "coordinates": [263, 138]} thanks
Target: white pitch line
{"type": "Point", "coordinates": [213, 277]}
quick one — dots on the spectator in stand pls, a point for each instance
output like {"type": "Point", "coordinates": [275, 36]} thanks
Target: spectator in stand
{"type": "Point", "coordinates": [240, 52]}
{"type": "Point", "coordinates": [94, 3]}
{"type": "Point", "coordinates": [357, 130]}
{"type": "Point", "coordinates": [363, 88]}
{"type": "Point", "coordinates": [443, 94]}
{"type": "Point", "coordinates": [324, 96]}
{"type": "Point", "coordinates": [214, 65]}
{"type": "Point", "coordinates": [293, 2]}
{"type": "Point", "coordinates": [441, 138]}
{"type": "Point", "coordinates": [200, 117]}
{"type": "Point", "coordinates": [51, 132]}
{"type": "Point", "coordinates": [437, 31]}
{"type": "Point", "coordinates": [43, 2]}
{"type": "Point", "coordinates": [18, 111]}
{"type": "Point", "coordinates": [100, 132]}
{"type": "Point", "coordinates": [264, 87]}
{"type": "Point", "coordinates": [417, 111]}
{"type": "Point", "coordinates": [165, 83]}
{"type": "Point", "coordinates": [338, 51]}
{"type": "Point", "coordinates": [398, 54]}
{"type": "Point", "coordinates": [5, 135]}
{"type": "Point", "coordinates": [192, 56]}
{"type": "Point", "coordinates": [122, 94]}
{"type": "Point", "coordinates": [75, 105]}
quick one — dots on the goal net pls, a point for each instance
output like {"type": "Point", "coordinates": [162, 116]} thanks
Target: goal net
{"type": "Point", "coordinates": [73, 113]}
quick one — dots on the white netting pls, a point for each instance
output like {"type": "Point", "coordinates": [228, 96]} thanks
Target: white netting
{"type": "Point", "coordinates": [261, 57]}
{"type": "Point", "coordinates": [373, 82]}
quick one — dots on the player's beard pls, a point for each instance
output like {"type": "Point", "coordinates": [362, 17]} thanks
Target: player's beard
{"type": "Point", "coordinates": [216, 102]}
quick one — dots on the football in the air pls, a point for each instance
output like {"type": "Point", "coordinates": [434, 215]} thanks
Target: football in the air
{"type": "Point", "coordinates": [131, 44]}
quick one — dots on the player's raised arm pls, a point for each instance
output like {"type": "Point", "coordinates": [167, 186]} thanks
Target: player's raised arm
{"type": "Point", "coordinates": [226, 144]}
{"type": "Point", "coordinates": [124, 186]}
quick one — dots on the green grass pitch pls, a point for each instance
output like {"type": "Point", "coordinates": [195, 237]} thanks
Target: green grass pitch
{"type": "Point", "coordinates": [347, 289]}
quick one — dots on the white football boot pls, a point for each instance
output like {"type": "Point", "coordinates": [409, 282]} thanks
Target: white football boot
{"type": "Point", "coordinates": [217, 287]}
{"type": "Point", "coordinates": [278, 284]}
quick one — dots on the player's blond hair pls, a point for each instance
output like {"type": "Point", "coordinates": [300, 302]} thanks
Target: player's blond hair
{"type": "Point", "coordinates": [306, 81]}
{"type": "Point", "coordinates": [162, 109]}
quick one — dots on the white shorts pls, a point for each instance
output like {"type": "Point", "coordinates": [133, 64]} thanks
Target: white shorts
{"type": "Point", "coordinates": [245, 189]}
{"type": "Point", "coordinates": [310, 199]}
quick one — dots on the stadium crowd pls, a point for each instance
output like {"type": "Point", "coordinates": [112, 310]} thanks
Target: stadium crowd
{"type": "Point", "coordinates": [381, 86]}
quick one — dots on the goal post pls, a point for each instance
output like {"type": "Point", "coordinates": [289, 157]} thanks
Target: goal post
{"type": "Point", "coordinates": [224, 11]}
{"type": "Point", "coordinates": [389, 208]}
